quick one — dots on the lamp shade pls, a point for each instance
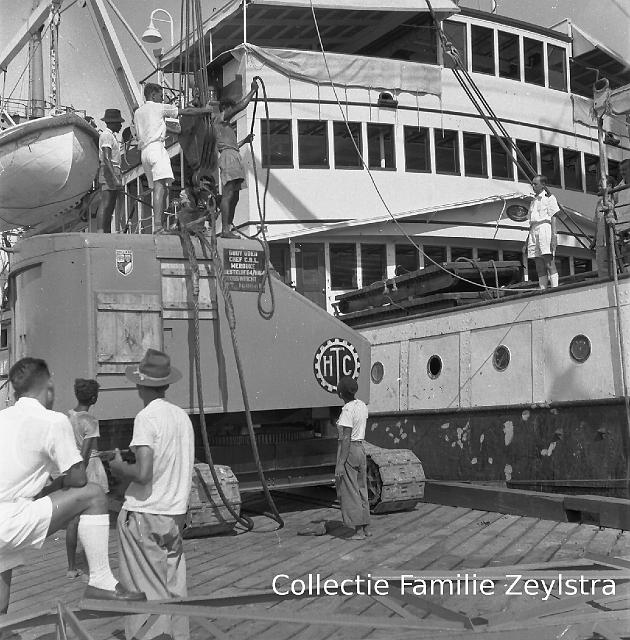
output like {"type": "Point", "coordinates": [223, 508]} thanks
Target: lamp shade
{"type": "Point", "coordinates": [152, 34]}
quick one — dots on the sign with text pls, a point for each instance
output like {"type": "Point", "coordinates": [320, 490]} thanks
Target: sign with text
{"type": "Point", "coordinates": [244, 269]}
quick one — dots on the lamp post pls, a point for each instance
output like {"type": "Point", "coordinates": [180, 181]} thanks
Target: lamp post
{"type": "Point", "coordinates": [152, 34]}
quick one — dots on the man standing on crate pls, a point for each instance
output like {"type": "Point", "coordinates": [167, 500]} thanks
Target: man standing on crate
{"type": "Point", "coordinates": [152, 518]}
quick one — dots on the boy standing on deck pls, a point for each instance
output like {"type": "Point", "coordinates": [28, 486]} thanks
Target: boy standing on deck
{"type": "Point", "coordinates": [351, 469]}
{"type": "Point", "coordinates": [109, 172]}
{"type": "Point", "coordinates": [152, 519]}
{"type": "Point", "coordinates": [86, 436]}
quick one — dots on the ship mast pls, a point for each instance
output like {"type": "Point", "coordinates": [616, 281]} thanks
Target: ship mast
{"type": "Point", "coordinates": [36, 71]}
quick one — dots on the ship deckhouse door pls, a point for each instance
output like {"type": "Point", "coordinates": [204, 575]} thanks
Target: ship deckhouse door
{"type": "Point", "coordinates": [311, 272]}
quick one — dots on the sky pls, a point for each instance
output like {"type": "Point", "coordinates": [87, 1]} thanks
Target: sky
{"type": "Point", "coordinates": [88, 82]}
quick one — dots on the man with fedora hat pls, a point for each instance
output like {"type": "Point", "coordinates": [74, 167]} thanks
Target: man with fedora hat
{"type": "Point", "coordinates": [152, 517]}
{"type": "Point", "coordinates": [109, 174]}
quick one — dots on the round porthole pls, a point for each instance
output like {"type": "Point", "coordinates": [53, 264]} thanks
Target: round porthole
{"type": "Point", "coordinates": [501, 358]}
{"type": "Point", "coordinates": [580, 348]}
{"type": "Point", "coordinates": [377, 372]}
{"type": "Point", "coordinates": [434, 366]}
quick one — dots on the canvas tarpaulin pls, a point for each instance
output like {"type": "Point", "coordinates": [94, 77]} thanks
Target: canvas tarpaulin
{"type": "Point", "coordinates": [347, 70]}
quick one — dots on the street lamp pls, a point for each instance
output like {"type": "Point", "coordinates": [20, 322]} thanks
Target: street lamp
{"type": "Point", "coordinates": [152, 34]}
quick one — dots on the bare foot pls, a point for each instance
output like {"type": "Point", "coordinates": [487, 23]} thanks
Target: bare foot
{"type": "Point", "coordinates": [357, 536]}
{"type": "Point", "coordinates": [228, 234]}
{"type": "Point", "coordinates": [367, 532]}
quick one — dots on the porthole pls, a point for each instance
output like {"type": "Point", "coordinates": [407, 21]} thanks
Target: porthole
{"type": "Point", "coordinates": [580, 348]}
{"type": "Point", "coordinates": [501, 358]}
{"type": "Point", "coordinates": [434, 366]}
{"type": "Point", "coordinates": [377, 372]}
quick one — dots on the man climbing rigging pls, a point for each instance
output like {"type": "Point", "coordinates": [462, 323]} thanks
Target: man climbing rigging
{"type": "Point", "coordinates": [150, 125]}
{"type": "Point", "coordinates": [230, 163]}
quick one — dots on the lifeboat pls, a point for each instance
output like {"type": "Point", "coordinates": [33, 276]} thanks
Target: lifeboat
{"type": "Point", "coordinates": [46, 166]}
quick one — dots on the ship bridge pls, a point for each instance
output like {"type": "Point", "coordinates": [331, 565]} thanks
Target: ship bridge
{"type": "Point", "coordinates": [375, 142]}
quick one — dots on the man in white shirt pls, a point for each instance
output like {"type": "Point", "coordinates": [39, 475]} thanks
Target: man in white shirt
{"type": "Point", "coordinates": [151, 521]}
{"type": "Point", "coordinates": [542, 240]}
{"type": "Point", "coordinates": [35, 443]}
{"type": "Point", "coordinates": [109, 173]}
{"type": "Point", "coordinates": [150, 125]}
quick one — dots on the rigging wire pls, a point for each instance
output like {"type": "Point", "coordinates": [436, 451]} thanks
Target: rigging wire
{"type": "Point", "coordinates": [28, 63]}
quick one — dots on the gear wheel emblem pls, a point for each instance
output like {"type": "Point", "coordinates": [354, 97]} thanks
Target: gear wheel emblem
{"type": "Point", "coordinates": [335, 359]}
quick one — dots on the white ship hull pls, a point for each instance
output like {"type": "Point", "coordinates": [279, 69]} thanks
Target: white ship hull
{"type": "Point", "coordinates": [46, 166]}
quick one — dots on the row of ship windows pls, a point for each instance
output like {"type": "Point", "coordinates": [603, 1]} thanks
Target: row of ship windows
{"type": "Point", "coordinates": [579, 351]}
{"type": "Point", "coordinates": [426, 150]}
{"type": "Point", "coordinates": [354, 265]}
{"type": "Point", "coordinates": [482, 49]}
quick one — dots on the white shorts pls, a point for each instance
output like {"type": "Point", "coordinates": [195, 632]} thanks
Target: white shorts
{"type": "Point", "coordinates": [539, 240]}
{"type": "Point", "coordinates": [23, 525]}
{"type": "Point", "coordinates": [156, 163]}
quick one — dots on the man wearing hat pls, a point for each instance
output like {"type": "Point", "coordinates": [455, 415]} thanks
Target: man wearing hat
{"type": "Point", "coordinates": [152, 517]}
{"type": "Point", "coordinates": [109, 174]}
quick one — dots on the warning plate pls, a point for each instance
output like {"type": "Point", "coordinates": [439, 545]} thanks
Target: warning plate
{"type": "Point", "coordinates": [244, 269]}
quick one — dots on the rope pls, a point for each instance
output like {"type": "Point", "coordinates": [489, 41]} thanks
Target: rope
{"type": "Point", "coordinates": [189, 250]}
{"type": "Point", "coordinates": [369, 172]}
{"type": "Point", "coordinates": [231, 318]}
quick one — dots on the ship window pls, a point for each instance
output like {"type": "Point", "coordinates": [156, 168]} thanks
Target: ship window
{"type": "Point", "coordinates": [557, 67]}
{"type": "Point", "coordinates": [501, 358]}
{"type": "Point", "coordinates": [434, 366]}
{"type": "Point", "coordinates": [482, 42]}
{"type": "Point", "coordinates": [343, 265]}
{"type": "Point", "coordinates": [516, 256]}
{"type": "Point", "coordinates": [446, 151]}
{"type": "Point", "coordinates": [563, 265]}
{"type": "Point", "coordinates": [550, 164]}
{"type": "Point", "coordinates": [437, 254]}
{"type": "Point", "coordinates": [407, 259]}
{"type": "Point", "coordinates": [502, 166]}
{"type": "Point", "coordinates": [4, 338]}
{"type": "Point", "coordinates": [591, 166]}
{"type": "Point", "coordinates": [572, 170]}
{"type": "Point", "coordinates": [582, 265]}
{"type": "Point", "coordinates": [509, 58]}
{"type": "Point", "coordinates": [534, 63]}
{"type": "Point", "coordinates": [475, 155]}
{"type": "Point", "coordinates": [456, 33]}
{"type": "Point", "coordinates": [461, 252]}
{"type": "Point", "coordinates": [532, 274]}
{"type": "Point", "coordinates": [373, 263]}
{"type": "Point", "coordinates": [528, 149]}
{"type": "Point", "coordinates": [280, 258]}
{"type": "Point", "coordinates": [377, 372]}
{"type": "Point", "coordinates": [346, 156]}
{"type": "Point", "coordinates": [313, 143]}
{"type": "Point", "coordinates": [614, 170]}
{"type": "Point", "coordinates": [580, 348]}
{"type": "Point", "coordinates": [381, 146]}
{"type": "Point", "coordinates": [417, 151]}
{"type": "Point", "coordinates": [485, 255]}
{"type": "Point", "coordinates": [277, 145]}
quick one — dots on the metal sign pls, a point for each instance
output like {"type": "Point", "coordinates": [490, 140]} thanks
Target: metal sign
{"type": "Point", "coordinates": [335, 359]}
{"type": "Point", "coordinates": [244, 269]}
{"type": "Point", "coordinates": [124, 261]}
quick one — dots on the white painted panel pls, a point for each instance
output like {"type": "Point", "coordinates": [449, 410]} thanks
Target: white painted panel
{"type": "Point", "coordinates": [490, 387]}
{"type": "Point", "coordinates": [385, 396]}
{"type": "Point", "coordinates": [443, 391]}
{"type": "Point", "coordinates": [595, 378]}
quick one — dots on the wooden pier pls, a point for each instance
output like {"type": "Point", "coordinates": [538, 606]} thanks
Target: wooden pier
{"type": "Point", "coordinates": [430, 540]}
